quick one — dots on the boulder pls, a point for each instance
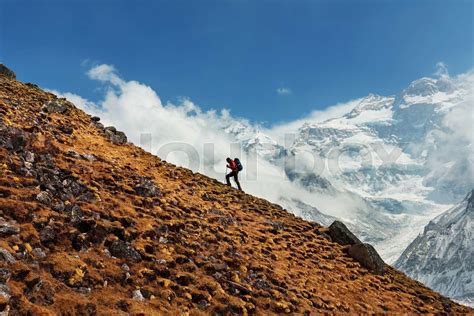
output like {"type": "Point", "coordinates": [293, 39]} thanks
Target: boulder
{"type": "Point", "coordinates": [368, 257]}
{"type": "Point", "coordinates": [341, 234]}
{"type": "Point", "coordinates": [12, 138]}
{"type": "Point", "coordinates": [121, 249]}
{"type": "Point", "coordinates": [7, 72]}
{"type": "Point", "coordinates": [6, 256]}
{"type": "Point", "coordinates": [7, 228]}
{"type": "Point", "coordinates": [5, 275]}
{"type": "Point", "coordinates": [44, 197]}
{"type": "Point", "coordinates": [55, 107]}
{"type": "Point", "coordinates": [47, 234]}
{"type": "Point", "coordinates": [147, 188]}
{"type": "Point", "coordinates": [115, 136]}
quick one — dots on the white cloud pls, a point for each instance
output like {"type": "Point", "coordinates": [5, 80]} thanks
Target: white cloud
{"type": "Point", "coordinates": [283, 91]}
{"type": "Point", "coordinates": [136, 109]}
{"type": "Point", "coordinates": [441, 69]}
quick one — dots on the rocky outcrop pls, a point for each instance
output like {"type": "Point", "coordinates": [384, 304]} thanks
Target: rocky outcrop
{"type": "Point", "coordinates": [6, 72]}
{"type": "Point", "coordinates": [363, 253]}
{"type": "Point", "coordinates": [368, 257]}
{"type": "Point", "coordinates": [341, 234]}
{"type": "Point", "coordinates": [116, 137]}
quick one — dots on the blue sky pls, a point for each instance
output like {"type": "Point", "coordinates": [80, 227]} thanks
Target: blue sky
{"type": "Point", "coordinates": [238, 54]}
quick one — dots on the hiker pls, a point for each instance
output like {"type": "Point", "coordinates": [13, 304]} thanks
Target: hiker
{"type": "Point", "coordinates": [235, 166]}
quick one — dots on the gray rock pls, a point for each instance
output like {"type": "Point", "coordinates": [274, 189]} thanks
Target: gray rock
{"type": "Point", "coordinates": [342, 235]}
{"type": "Point", "coordinates": [95, 119]}
{"type": "Point", "coordinates": [5, 291]}
{"type": "Point", "coordinates": [89, 157]}
{"type": "Point", "coordinates": [137, 295]}
{"type": "Point", "coordinates": [84, 290]}
{"type": "Point", "coordinates": [44, 197]}
{"type": "Point", "coordinates": [7, 72]}
{"type": "Point", "coordinates": [6, 256]}
{"type": "Point", "coordinates": [125, 267]}
{"type": "Point", "coordinates": [368, 257]}
{"type": "Point", "coordinates": [29, 156]}
{"type": "Point", "coordinates": [47, 234]}
{"type": "Point", "coordinates": [59, 207]}
{"type": "Point", "coordinates": [39, 253]}
{"type": "Point", "coordinates": [7, 228]}
{"type": "Point", "coordinates": [147, 188]}
{"type": "Point", "coordinates": [115, 136]}
{"type": "Point", "coordinates": [4, 275]}
{"type": "Point", "coordinates": [12, 138]}
{"type": "Point", "coordinates": [55, 107]}
{"type": "Point", "coordinates": [121, 249]}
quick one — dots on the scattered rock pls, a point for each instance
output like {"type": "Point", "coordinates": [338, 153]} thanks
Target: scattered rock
{"type": "Point", "coordinates": [261, 284]}
{"type": "Point", "coordinates": [121, 249]}
{"type": "Point", "coordinates": [12, 138]}
{"type": "Point", "coordinates": [6, 256]}
{"type": "Point", "coordinates": [5, 291]}
{"type": "Point", "coordinates": [147, 188]}
{"type": "Point", "coordinates": [137, 295]}
{"type": "Point", "coordinates": [341, 234]}
{"type": "Point", "coordinates": [84, 290]}
{"type": "Point", "coordinates": [368, 257]}
{"type": "Point", "coordinates": [276, 226]}
{"type": "Point", "coordinates": [55, 107]}
{"type": "Point", "coordinates": [47, 234]}
{"type": "Point", "coordinates": [44, 197]}
{"type": "Point", "coordinates": [4, 275]}
{"type": "Point", "coordinates": [115, 136]}
{"type": "Point", "coordinates": [125, 267]}
{"type": "Point", "coordinates": [66, 129]}
{"type": "Point", "coordinates": [29, 157]}
{"type": "Point", "coordinates": [7, 72]}
{"type": "Point", "coordinates": [8, 228]}
{"type": "Point", "coordinates": [95, 119]}
{"type": "Point", "coordinates": [89, 157]}
{"type": "Point", "coordinates": [240, 287]}
{"type": "Point", "coordinates": [40, 292]}
{"type": "Point", "coordinates": [39, 253]}
{"type": "Point", "coordinates": [59, 207]}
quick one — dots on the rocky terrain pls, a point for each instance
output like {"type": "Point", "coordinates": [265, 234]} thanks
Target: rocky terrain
{"type": "Point", "coordinates": [92, 224]}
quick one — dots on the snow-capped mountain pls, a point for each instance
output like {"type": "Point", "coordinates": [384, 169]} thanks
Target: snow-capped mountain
{"type": "Point", "coordinates": [384, 165]}
{"type": "Point", "coordinates": [393, 160]}
{"type": "Point", "coordinates": [442, 257]}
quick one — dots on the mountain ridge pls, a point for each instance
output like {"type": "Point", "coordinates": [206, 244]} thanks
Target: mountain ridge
{"type": "Point", "coordinates": [95, 225]}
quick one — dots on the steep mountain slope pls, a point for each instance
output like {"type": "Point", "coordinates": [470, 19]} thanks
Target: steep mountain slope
{"type": "Point", "coordinates": [92, 224]}
{"type": "Point", "coordinates": [443, 256]}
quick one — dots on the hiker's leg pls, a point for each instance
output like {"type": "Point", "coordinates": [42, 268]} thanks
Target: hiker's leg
{"type": "Point", "coordinates": [236, 178]}
{"type": "Point", "coordinates": [227, 178]}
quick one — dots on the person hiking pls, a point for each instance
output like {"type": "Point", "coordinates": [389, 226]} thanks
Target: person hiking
{"type": "Point", "coordinates": [235, 166]}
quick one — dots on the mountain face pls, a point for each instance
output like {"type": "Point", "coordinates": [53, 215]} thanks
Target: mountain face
{"type": "Point", "coordinates": [442, 257]}
{"type": "Point", "coordinates": [92, 224]}
{"type": "Point", "coordinates": [397, 161]}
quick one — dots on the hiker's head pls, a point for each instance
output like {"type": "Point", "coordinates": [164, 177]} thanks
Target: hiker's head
{"type": "Point", "coordinates": [228, 159]}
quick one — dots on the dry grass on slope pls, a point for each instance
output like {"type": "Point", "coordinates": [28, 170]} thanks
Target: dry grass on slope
{"type": "Point", "coordinates": [97, 227]}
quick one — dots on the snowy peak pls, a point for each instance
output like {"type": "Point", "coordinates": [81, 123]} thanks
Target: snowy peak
{"type": "Point", "coordinates": [422, 87]}
{"type": "Point", "coordinates": [372, 102]}
{"type": "Point", "coordinates": [442, 256]}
